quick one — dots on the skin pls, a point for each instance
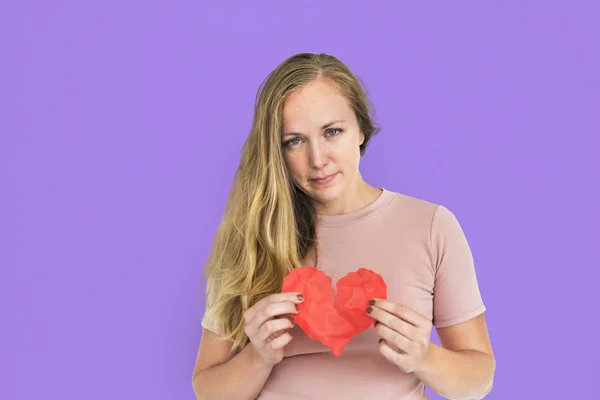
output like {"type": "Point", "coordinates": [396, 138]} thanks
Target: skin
{"type": "Point", "coordinates": [321, 137]}
{"type": "Point", "coordinates": [462, 367]}
{"type": "Point", "coordinates": [243, 375]}
{"type": "Point", "coordinates": [315, 145]}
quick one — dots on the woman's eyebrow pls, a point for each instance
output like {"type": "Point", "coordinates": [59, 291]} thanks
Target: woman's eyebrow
{"type": "Point", "coordinates": [331, 123]}
{"type": "Point", "coordinates": [327, 125]}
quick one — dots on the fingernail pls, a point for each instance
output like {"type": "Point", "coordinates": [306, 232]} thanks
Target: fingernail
{"type": "Point", "coordinates": [300, 297]}
{"type": "Point", "coordinates": [372, 302]}
{"type": "Point", "coordinates": [369, 309]}
{"type": "Point", "coordinates": [297, 309]}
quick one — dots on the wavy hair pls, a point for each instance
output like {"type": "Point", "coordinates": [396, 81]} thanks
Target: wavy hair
{"type": "Point", "coordinates": [269, 225]}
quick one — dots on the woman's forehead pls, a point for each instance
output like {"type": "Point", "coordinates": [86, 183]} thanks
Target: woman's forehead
{"type": "Point", "coordinates": [314, 106]}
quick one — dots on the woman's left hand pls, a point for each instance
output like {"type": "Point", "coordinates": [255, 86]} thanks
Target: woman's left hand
{"type": "Point", "coordinates": [405, 334]}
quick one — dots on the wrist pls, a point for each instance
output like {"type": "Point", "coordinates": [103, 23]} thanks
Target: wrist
{"type": "Point", "coordinates": [428, 363]}
{"type": "Point", "coordinates": [257, 361]}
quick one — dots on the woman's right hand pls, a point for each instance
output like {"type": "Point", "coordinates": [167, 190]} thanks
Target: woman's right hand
{"type": "Point", "coordinates": [266, 325]}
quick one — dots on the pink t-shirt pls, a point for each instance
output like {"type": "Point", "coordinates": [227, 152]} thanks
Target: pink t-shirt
{"type": "Point", "coordinates": [421, 252]}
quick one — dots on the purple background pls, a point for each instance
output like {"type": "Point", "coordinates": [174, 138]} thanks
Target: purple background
{"type": "Point", "coordinates": [121, 124]}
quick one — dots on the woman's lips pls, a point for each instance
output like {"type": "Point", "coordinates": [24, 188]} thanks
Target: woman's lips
{"type": "Point", "coordinates": [324, 180]}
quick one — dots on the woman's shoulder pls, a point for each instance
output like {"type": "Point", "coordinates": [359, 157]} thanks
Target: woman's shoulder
{"type": "Point", "coordinates": [423, 213]}
{"type": "Point", "coordinates": [405, 204]}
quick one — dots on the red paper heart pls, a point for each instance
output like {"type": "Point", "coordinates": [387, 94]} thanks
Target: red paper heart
{"type": "Point", "coordinates": [334, 323]}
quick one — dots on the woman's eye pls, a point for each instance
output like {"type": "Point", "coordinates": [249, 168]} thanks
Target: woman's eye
{"type": "Point", "coordinates": [292, 142]}
{"type": "Point", "coordinates": [333, 131]}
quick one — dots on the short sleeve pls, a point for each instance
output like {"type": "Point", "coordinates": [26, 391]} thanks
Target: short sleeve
{"type": "Point", "coordinates": [456, 294]}
{"type": "Point", "coordinates": [207, 319]}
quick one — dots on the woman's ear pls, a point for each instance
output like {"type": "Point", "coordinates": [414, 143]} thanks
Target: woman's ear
{"type": "Point", "coordinates": [361, 138]}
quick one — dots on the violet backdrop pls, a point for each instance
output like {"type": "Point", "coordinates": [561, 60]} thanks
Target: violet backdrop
{"type": "Point", "coordinates": [121, 124]}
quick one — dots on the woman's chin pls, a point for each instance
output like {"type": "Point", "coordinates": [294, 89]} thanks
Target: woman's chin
{"type": "Point", "coordinates": [325, 194]}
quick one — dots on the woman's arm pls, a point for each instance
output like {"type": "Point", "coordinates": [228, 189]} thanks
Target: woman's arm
{"type": "Point", "coordinates": [217, 376]}
{"type": "Point", "coordinates": [464, 366]}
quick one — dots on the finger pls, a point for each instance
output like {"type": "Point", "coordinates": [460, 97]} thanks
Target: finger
{"type": "Point", "coordinates": [401, 311]}
{"type": "Point", "coordinates": [279, 342]}
{"type": "Point", "coordinates": [267, 313]}
{"type": "Point", "coordinates": [276, 310]}
{"type": "Point", "coordinates": [293, 297]}
{"type": "Point", "coordinates": [287, 316]}
{"type": "Point", "coordinates": [391, 355]}
{"type": "Point", "coordinates": [277, 334]}
{"type": "Point", "coordinates": [399, 341]}
{"type": "Point", "coordinates": [393, 322]}
{"type": "Point", "coordinates": [271, 327]}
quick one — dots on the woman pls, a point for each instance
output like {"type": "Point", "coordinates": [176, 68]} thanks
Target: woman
{"type": "Point", "coordinates": [299, 199]}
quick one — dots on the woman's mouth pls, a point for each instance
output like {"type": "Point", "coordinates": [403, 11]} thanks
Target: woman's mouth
{"type": "Point", "coordinates": [325, 179]}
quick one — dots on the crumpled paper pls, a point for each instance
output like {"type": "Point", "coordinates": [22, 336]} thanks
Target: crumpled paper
{"type": "Point", "coordinates": [334, 322]}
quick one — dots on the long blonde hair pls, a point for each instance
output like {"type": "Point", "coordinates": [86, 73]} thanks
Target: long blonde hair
{"type": "Point", "coordinates": [269, 226]}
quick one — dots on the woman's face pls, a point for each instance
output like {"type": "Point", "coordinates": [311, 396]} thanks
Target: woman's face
{"type": "Point", "coordinates": [321, 140]}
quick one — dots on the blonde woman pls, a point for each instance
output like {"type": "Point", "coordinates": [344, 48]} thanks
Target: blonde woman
{"type": "Point", "coordinates": [299, 199]}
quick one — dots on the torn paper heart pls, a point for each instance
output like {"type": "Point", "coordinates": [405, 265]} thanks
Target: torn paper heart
{"type": "Point", "coordinates": [334, 323]}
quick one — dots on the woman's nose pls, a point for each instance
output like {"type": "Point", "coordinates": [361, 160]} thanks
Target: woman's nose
{"type": "Point", "coordinates": [317, 156]}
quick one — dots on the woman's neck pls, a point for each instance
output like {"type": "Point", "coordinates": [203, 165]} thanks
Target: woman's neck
{"type": "Point", "coordinates": [359, 195]}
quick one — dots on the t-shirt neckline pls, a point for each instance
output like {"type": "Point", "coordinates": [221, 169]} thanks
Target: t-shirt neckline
{"type": "Point", "coordinates": [374, 207]}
